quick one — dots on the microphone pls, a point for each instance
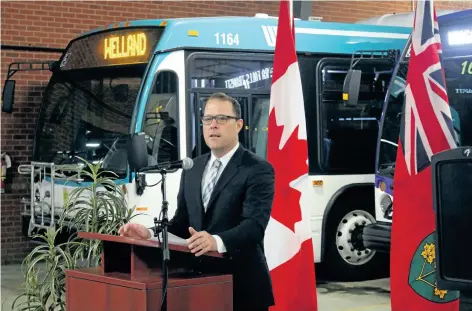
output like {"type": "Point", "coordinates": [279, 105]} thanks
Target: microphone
{"type": "Point", "coordinates": [184, 164]}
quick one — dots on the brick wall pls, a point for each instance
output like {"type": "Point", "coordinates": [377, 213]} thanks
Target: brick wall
{"type": "Point", "coordinates": [351, 11]}
{"type": "Point", "coordinates": [52, 24]}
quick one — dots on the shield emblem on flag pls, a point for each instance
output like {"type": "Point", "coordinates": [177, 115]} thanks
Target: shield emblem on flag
{"type": "Point", "coordinates": [422, 278]}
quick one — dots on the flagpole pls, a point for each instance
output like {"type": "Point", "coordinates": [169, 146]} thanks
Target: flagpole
{"type": "Point", "coordinates": [292, 20]}
{"type": "Point", "coordinates": [291, 12]}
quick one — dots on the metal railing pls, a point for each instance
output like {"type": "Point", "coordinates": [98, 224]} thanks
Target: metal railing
{"type": "Point", "coordinates": [43, 214]}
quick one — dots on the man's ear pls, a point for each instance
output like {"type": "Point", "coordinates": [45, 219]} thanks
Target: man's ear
{"type": "Point", "coordinates": [239, 124]}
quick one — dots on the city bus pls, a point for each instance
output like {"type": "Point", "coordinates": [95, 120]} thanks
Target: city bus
{"type": "Point", "coordinates": [455, 31]}
{"type": "Point", "coordinates": [152, 77]}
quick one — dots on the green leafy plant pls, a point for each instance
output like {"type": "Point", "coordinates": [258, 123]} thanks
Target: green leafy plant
{"type": "Point", "coordinates": [44, 271]}
{"type": "Point", "coordinates": [98, 205]}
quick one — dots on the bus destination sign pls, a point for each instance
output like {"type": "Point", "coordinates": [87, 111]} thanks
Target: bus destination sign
{"type": "Point", "coordinates": [111, 48]}
{"type": "Point", "coordinates": [125, 47]}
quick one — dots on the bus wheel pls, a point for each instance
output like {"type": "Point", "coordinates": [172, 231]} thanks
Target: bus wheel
{"type": "Point", "coordinates": [347, 257]}
{"type": "Point", "coordinates": [348, 241]}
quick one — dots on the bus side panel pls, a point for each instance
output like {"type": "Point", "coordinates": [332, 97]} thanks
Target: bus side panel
{"type": "Point", "coordinates": [318, 195]}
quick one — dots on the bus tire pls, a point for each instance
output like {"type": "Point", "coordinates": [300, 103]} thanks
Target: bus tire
{"type": "Point", "coordinates": [346, 257]}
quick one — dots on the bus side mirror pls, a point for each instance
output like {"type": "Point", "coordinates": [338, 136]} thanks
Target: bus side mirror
{"type": "Point", "coordinates": [137, 151]}
{"type": "Point", "coordinates": [8, 96]}
{"type": "Point", "coordinates": [352, 84]}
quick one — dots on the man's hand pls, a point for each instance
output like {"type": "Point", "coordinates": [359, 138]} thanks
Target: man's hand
{"type": "Point", "coordinates": [201, 242]}
{"type": "Point", "coordinates": [135, 231]}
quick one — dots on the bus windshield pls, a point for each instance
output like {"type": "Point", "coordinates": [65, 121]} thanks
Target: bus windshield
{"type": "Point", "coordinates": [88, 105]}
{"type": "Point", "coordinates": [458, 72]}
{"type": "Point", "coordinates": [88, 116]}
{"type": "Point", "coordinates": [459, 91]}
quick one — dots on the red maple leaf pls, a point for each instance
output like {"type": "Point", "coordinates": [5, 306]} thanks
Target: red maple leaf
{"type": "Point", "coordinates": [289, 164]}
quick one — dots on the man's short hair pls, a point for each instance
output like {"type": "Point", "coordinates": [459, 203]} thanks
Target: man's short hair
{"type": "Point", "coordinates": [224, 97]}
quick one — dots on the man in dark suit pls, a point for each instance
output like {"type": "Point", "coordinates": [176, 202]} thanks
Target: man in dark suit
{"type": "Point", "coordinates": [224, 204]}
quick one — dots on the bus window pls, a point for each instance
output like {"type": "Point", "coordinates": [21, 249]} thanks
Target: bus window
{"type": "Point", "coordinates": [458, 89]}
{"type": "Point", "coordinates": [458, 71]}
{"type": "Point", "coordinates": [349, 134]}
{"type": "Point", "coordinates": [259, 125]}
{"type": "Point", "coordinates": [391, 124]}
{"type": "Point", "coordinates": [224, 72]}
{"type": "Point", "coordinates": [307, 65]}
{"type": "Point", "coordinates": [160, 120]}
{"type": "Point", "coordinates": [199, 101]}
{"type": "Point", "coordinates": [247, 78]}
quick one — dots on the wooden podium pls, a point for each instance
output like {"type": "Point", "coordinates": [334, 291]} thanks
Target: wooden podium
{"type": "Point", "coordinates": [130, 278]}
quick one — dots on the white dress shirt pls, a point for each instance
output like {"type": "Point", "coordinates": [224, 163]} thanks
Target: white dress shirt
{"type": "Point", "coordinates": [224, 162]}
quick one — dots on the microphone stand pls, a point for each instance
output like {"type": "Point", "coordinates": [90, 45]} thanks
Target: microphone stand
{"type": "Point", "coordinates": [161, 225]}
{"type": "Point", "coordinates": [165, 243]}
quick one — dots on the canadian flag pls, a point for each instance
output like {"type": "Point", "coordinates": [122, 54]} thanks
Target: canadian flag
{"type": "Point", "coordinates": [288, 243]}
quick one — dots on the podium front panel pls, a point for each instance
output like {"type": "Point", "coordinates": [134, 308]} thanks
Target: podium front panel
{"type": "Point", "coordinates": [91, 289]}
{"type": "Point", "coordinates": [85, 295]}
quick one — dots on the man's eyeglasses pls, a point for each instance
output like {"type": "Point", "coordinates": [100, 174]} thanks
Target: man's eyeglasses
{"type": "Point", "coordinates": [220, 119]}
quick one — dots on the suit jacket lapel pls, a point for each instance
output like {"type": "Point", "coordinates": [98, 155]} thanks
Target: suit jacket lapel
{"type": "Point", "coordinates": [228, 173]}
{"type": "Point", "coordinates": [198, 194]}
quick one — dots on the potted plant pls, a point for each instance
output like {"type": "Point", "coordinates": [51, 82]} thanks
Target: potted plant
{"type": "Point", "coordinates": [98, 206]}
{"type": "Point", "coordinates": [44, 270]}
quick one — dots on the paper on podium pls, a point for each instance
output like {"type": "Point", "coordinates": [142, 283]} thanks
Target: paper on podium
{"type": "Point", "coordinates": [173, 239]}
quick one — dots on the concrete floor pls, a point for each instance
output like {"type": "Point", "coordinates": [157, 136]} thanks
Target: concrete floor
{"type": "Point", "coordinates": [354, 296]}
{"type": "Point", "coordinates": [332, 296]}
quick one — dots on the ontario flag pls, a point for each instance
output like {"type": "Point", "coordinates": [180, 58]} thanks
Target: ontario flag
{"type": "Point", "coordinates": [426, 129]}
{"type": "Point", "coordinates": [288, 244]}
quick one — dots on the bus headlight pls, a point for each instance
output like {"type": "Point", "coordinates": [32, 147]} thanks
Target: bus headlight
{"type": "Point", "coordinates": [385, 203]}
